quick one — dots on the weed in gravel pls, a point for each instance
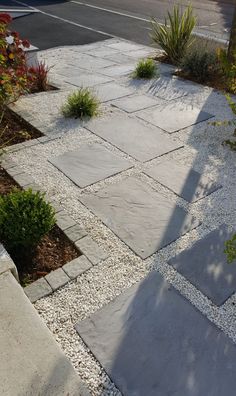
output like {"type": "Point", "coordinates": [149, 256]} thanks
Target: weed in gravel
{"type": "Point", "coordinates": [80, 104]}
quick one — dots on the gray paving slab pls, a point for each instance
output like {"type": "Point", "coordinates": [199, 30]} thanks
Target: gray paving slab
{"type": "Point", "coordinates": [169, 88]}
{"type": "Point", "coordinates": [88, 62]}
{"type": "Point", "coordinates": [64, 221]}
{"type": "Point", "coordinates": [160, 344]}
{"type": "Point", "coordinates": [69, 71]}
{"type": "Point", "coordinates": [205, 265]}
{"type": "Point", "coordinates": [125, 46]}
{"type": "Point", "coordinates": [102, 52]}
{"type": "Point", "coordinates": [77, 266]}
{"type": "Point", "coordinates": [120, 58]}
{"type": "Point", "coordinates": [110, 91]}
{"type": "Point", "coordinates": [141, 53]}
{"type": "Point", "coordinates": [141, 217]}
{"type": "Point", "coordinates": [174, 116]}
{"type": "Point", "coordinates": [57, 278]}
{"type": "Point", "coordinates": [75, 233]}
{"type": "Point", "coordinates": [90, 164]}
{"type": "Point", "coordinates": [87, 80]}
{"type": "Point", "coordinates": [133, 137]}
{"type": "Point", "coordinates": [183, 180]}
{"type": "Point", "coordinates": [118, 70]}
{"type": "Point", "coordinates": [136, 102]}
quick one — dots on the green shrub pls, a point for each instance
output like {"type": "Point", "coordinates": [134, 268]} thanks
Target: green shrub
{"type": "Point", "coordinates": [228, 69]}
{"type": "Point", "coordinates": [230, 249]}
{"type": "Point", "coordinates": [82, 103]}
{"type": "Point", "coordinates": [146, 68]}
{"type": "Point", "coordinates": [25, 217]}
{"type": "Point", "coordinates": [200, 64]}
{"type": "Point", "coordinates": [174, 37]}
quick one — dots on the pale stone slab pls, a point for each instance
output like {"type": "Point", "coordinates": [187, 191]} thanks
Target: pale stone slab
{"type": "Point", "coordinates": [174, 116]}
{"type": "Point", "coordinates": [152, 342]}
{"type": "Point", "coordinates": [142, 218]}
{"type": "Point", "coordinates": [131, 136]}
{"type": "Point", "coordinates": [89, 63]}
{"type": "Point", "coordinates": [90, 164]}
{"type": "Point", "coordinates": [136, 102]}
{"type": "Point", "coordinates": [205, 265]}
{"type": "Point", "coordinates": [110, 91]}
{"type": "Point", "coordinates": [118, 71]}
{"type": "Point", "coordinates": [75, 233]}
{"type": "Point", "coordinates": [125, 46]}
{"type": "Point", "coordinates": [182, 180]}
{"type": "Point", "coordinates": [87, 80]}
{"type": "Point", "coordinates": [64, 221]}
{"type": "Point", "coordinates": [120, 58]}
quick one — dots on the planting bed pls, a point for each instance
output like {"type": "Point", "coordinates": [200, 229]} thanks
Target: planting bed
{"type": "Point", "coordinates": [14, 129]}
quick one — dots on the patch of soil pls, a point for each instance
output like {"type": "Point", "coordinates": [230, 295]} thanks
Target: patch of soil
{"type": "Point", "coordinates": [54, 250]}
{"type": "Point", "coordinates": [7, 183]}
{"type": "Point", "coordinates": [215, 81]}
{"type": "Point", "coordinates": [14, 129]}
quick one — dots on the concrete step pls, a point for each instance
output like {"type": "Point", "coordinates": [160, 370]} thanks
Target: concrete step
{"type": "Point", "coordinates": [31, 364]}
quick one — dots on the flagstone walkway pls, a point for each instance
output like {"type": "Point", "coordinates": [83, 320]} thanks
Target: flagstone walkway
{"type": "Point", "coordinates": [151, 183]}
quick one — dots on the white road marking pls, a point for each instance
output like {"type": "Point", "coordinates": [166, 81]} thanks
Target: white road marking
{"type": "Point", "coordinates": [68, 21]}
{"type": "Point", "coordinates": [111, 11]}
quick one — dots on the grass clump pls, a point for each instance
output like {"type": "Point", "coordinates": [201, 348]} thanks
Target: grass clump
{"type": "Point", "coordinates": [146, 68]}
{"type": "Point", "coordinates": [175, 36]}
{"type": "Point", "coordinates": [200, 65]}
{"type": "Point", "coordinates": [25, 217]}
{"type": "Point", "coordinates": [230, 249]}
{"type": "Point", "coordinates": [80, 104]}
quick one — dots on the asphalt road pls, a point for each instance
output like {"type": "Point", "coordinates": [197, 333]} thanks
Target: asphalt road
{"type": "Point", "coordinates": [60, 22]}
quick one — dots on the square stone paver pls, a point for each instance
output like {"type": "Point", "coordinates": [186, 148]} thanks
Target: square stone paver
{"type": "Point", "coordinates": [206, 267]}
{"type": "Point", "coordinates": [110, 91]}
{"type": "Point", "coordinates": [131, 136]}
{"type": "Point", "coordinates": [118, 70]}
{"type": "Point", "coordinates": [152, 342]}
{"type": "Point", "coordinates": [125, 46]}
{"type": "Point", "coordinates": [174, 116]}
{"type": "Point", "coordinates": [88, 62]}
{"type": "Point", "coordinates": [142, 218]}
{"type": "Point", "coordinates": [136, 102]}
{"type": "Point", "coordinates": [90, 164]}
{"type": "Point", "coordinates": [87, 80]}
{"type": "Point", "coordinates": [182, 180]}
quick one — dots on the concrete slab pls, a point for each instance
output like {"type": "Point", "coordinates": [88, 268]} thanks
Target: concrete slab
{"type": "Point", "coordinates": [87, 80]}
{"type": "Point", "coordinates": [118, 70]}
{"type": "Point", "coordinates": [77, 267]}
{"type": "Point", "coordinates": [57, 278]}
{"type": "Point", "coordinates": [205, 265]}
{"type": "Point", "coordinates": [31, 361]}
{"type": "Point", "coordinates": [160, 344]}
{"type": "Point", "coordinates": [68, 71]}
{"type": "Point", "coordinates": [88, 62]}
{"type": "Point", "coordinates": [134, 138]}
{"type": "Point", "coordinates": [142, 218]}
{"type": "Point", "coordinates": [167, 88]}
{"type": "Point", "coordinates": [124, 46]}
{"type": "Point", "coordinates": [136, 102]}
{"type": "Point", "coordinates": [182, 180]}
{"type": "Point", "coordinates": [120, 58]}
{"type": "Point", "coordinates": [110, 91]}
{"type": "Point", "coordinates": [90, 164]}
{"type": "Point", "coordinates": [174, 116]}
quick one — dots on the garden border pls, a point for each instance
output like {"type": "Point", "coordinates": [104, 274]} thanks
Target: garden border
{"type": "Point", "coordinates": [92, 253]}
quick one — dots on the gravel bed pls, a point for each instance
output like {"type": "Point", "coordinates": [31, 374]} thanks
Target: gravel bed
{"type": "Point", "coordinates": [97, 287]}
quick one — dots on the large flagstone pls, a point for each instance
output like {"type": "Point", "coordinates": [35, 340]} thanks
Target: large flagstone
{"type": "Point", "coordinates": [141, 217]}
{"type": "Point", "coordinates": [182, 180]}
{"type": "Point", "coordinates": [205, 265]}
{"type": "Point", "coordinates": [131, 136]}
{"type": "Point", "coordinates": [152, 342]}
{"type": "Point", "coordinates": [90, 164]}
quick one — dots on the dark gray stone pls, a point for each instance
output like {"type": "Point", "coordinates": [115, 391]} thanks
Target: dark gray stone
{"type": "Point", "coordinates": [75, 233]}
{"type": "Point", "coordinates": [38, 289]}
{"type": "Point", "coordinates": [90, 164]}
{"type": "Point", "coordinates": [57, 278]}
{"type": "Point", "coordinates": [152, 342]}
{"type": "Point", "coordinates": [77, 266]}
{"type": "Point", "coordinates": [174, 116]}
{"type": "Point", "coordinates": [182, 180]}
{"type": "Point", "coordinates": [131, 136]}
{"type": "Point", "coordinates": [144, 219]}
{"type": "Point", "coordinates": [205, 265]}
{"type": "Point", "coordinates": [91, 250]}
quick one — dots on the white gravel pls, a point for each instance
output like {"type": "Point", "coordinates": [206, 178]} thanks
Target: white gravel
{"type": "Point", "coordinates": [94, 289]}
